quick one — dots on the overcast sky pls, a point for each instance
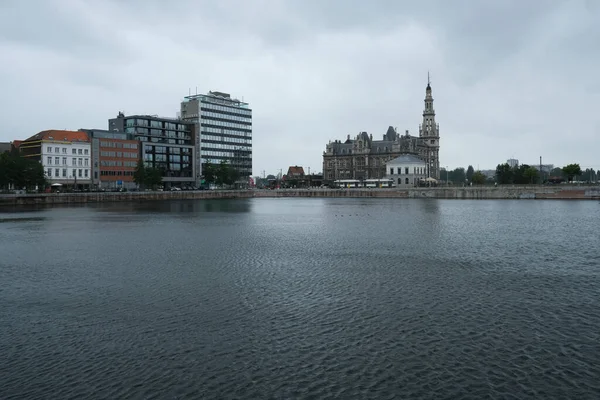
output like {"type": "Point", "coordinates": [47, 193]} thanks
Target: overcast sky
{"type": "Point", "coordinates": [510, 78]}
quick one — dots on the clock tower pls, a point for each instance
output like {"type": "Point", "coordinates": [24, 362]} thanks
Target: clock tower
{"type": "Point", "coordinates": [429, 132]}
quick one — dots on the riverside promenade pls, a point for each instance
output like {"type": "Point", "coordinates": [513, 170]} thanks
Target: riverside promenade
{"type": "Point", "coordinates": [559, 192]}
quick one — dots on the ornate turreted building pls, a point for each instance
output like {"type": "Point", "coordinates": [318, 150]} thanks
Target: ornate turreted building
{"type": "Point", "coordinates": [364, 158]}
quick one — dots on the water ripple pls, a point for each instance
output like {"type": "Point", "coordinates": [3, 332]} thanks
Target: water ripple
{"type": "Point", "coordinates": [279, 299]}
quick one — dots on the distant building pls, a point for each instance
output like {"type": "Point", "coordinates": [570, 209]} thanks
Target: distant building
{"type": "Point", "coordinates": [362, 158]}
{"type": "Point", "coordinates": [489, 173]}
{"type": "Point", "coordinates": [406, 170]}
{"type": "Point", "coordinates": [114, 159]}
{"type": "Point", "coordinates": [225, 126]}
{"type": "Point", "coordinates": [295, 172]}
{"type": "Point", "coordinates": [165, 143]}
{"type": "Point", "coordinates": [512, 162]}
{"type": "Point", "coordinates": [65, 156]}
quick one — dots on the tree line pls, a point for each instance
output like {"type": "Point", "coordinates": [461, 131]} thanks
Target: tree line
{"type": "Point", "coordinates": [18, 172]}
{"type": "Point", "coordinates": [517, 175]}
{"type": "Point", "coordinates": [526, 174]}
{"type": "Point", "coordinates": [220, 174]}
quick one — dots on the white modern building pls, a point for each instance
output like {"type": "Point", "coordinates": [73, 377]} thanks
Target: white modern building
{"type": "Point", "coordinates": [225, 127]}
{"type": "Point", "coordinates": [406, 170]}
{"type": "Point", "coordinates": [65, 155]}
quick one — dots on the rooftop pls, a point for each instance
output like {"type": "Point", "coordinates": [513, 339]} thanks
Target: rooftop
{"type": "Point", "coordinates": [217, 97]}
{"type": "Point", "coordinates": [407, 159]}
{"type": "Point", "coordinates": [58, 135]}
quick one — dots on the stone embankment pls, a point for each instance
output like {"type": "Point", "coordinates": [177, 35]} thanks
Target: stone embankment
{"type": "Point", "coordinates": [561, 192]}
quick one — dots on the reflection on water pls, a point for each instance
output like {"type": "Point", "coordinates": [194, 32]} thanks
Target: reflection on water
{"type": "Point", "coordinates": [301, 298]}
{"type": "Point", "coordinates": [177, 206]}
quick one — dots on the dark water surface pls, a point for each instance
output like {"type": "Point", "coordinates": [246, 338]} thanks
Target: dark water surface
{"type": "Point", "coordinates": [301, 299]}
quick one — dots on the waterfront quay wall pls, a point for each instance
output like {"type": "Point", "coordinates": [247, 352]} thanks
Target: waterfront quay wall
{"type": "Point", "coordinates": [560, 192]}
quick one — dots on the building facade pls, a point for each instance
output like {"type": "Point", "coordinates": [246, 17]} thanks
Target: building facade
{"type": "Point", "coordinates": [225, 126]}
{"type": "Point", "coordinates": [114, 159]}
{"type": "Point", "coordinates": [65, 155]}
{"type": "Point", "coordinates": [363, 158]}
{"type": "Point", "coordinates": [406, 170]}
{"type": "Point", "coordinates": [165, 143]}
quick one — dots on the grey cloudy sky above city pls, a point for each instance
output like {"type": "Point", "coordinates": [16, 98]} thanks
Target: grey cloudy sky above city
{"type": "Point", "coordinates": [510, 78]}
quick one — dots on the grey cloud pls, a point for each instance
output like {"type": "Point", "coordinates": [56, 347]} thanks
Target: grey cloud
{"type": "Point", "coordinates": [67, 27]}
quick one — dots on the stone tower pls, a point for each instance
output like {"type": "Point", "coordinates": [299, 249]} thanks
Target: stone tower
{"type": "Point", "coordinates": [429, 131]}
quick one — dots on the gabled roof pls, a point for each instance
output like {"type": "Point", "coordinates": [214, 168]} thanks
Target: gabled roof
{"type": "Point", "coordinates": [406, 159]}
{"type": "Point", "coordinates": [58, 135]}
{"type": "Point", "coordinates": [295, 170]}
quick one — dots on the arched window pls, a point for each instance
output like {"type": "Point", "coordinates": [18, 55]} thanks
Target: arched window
{"type": "Point", "coordinates": [407, 181]}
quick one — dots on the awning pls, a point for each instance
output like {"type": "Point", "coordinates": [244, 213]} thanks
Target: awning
{"type": "Point", "coordinates": [56, 184]}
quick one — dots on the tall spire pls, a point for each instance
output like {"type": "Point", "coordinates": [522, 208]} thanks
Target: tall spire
{"type": "Point", "coordinates": [428, 81]}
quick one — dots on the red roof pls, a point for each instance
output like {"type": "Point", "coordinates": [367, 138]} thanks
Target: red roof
{"type": "Point", "coordinates": [60, 136]}
{"type": "Point", "coordinates": [295, 171]}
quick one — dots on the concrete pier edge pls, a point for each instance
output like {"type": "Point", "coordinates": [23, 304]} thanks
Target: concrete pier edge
{"type": "Point", "coordinates": [559, 192]}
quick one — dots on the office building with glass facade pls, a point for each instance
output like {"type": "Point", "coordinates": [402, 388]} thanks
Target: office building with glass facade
{"type": "Point", "coordinates": [165, 143]}
{"type": "Point", "coordinates": [225, 126]}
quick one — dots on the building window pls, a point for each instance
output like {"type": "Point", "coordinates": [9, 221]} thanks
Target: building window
{"type": "Point", "coordinates": [86, 162]}
{"type": "Point", "coordinates": [56, 172]}
{"type": "Point", "coordinates": [85, 152]}
{"type": "Point", "coordinates": [79, 151]}
{"type": "Point", "coordinates": [399, 181]}
{"type": "Point", "coordinates": [80, 162]}
{"type": "Point", "coordinates": [406, 171]}
{"type": "Point", "coordinates": [64, 150]}
{"type": "Point", "coordinates": [406, 181]}
{"type": "Point", "coordinates": [64, 174]}
{"type": "Point", "coordinates": [87, 171]}
{"type": "Point", "coordinates": [57, 150]}
{"type": "Point", "coordinates": [79, 172]}
{"type": "Point", "coordinates": [49, 149]}
{"type": "Point", "coordinates": [57, 160]}
{"type": "Point", "coordinates": [391, 171]}
{"type": "Point", "coordinates": [64, 160]}
{"type": "Point", "coordinates": [74, 161]}
{"type": "Point", "coordinates": [74, 151]}
{"type": "Point", "coordinates": [49, 173]}
{"type": "Point", "coordinates": [49, 160]}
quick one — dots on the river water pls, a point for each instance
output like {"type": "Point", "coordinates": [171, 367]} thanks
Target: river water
{"type": "Point", "coordinates": [301, 299]}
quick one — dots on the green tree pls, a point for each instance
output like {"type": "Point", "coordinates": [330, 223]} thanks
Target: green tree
{"type": "Point", "coordinates": [519, 177]}
{"type": "Point", "coordinates": [571, 171]}
{"type": "Point", "coordinates": [210, 173]}
{"type": "Point", "coordinates": [139, 175]}
{"type": "Point", "coordinates": [470, 172]}
{"type": "Point", "coordinates": [531, 174]}
{"type": "Point", "coordinates": [588, 175]}
{"type": "Point", "coordinates": [20, 172]}
{"type": "Point", "coordinates": [504, 174]}
{"type": "Point", "coordinates": [478, 178]}
{"type": "Point", "coordinates": [154, 177]}
{"type": "Point", "coordinates": [455, 176]}
{"type": "Point", "coordinates": [225, 174]}
{"type": "Point", "coordinates": [557, 172]}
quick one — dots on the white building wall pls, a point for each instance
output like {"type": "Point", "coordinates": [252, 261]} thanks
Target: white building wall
{"type": "Point", "coordinates": [67, 162]}
{"type": "Point", "coordinates": [406, 174]}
